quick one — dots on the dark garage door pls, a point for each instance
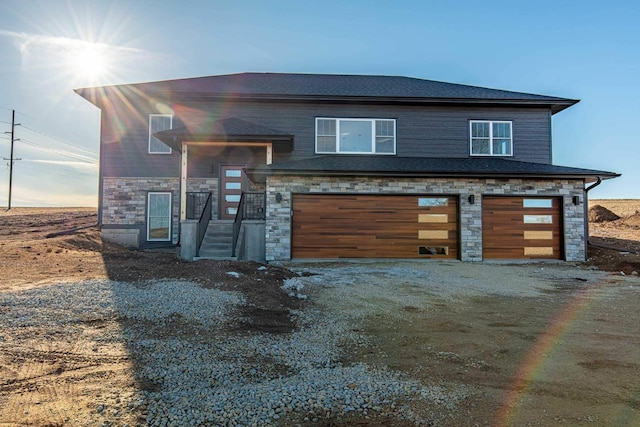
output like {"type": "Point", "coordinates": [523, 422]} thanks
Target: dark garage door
{"type": "Point", "coordinates": [521, 228]}
{"type": "Point", "coordinates": [374, 226]}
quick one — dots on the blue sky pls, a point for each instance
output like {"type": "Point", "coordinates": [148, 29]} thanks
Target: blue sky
{"type": "Point", "coordinates": [573, 49]}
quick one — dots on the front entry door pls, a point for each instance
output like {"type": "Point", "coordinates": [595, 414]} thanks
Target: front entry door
{"type": "Point", "coordinates": [232, 184]}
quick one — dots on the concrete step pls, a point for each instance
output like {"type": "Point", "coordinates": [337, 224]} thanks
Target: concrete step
{"type": "Point", "coordinates": [217, 241]}
{"type": "Point", "coordinates": [215, 254]}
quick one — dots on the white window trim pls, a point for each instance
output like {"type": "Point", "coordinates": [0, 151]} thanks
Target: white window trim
{"type": "Point", "coordinates": [170, 127]}
{"type": "Point", "coordinates": [491, 122]}
{"type": "Point", "coordinates": [373, 136]}
{"type": "Point", "coordinates": [169, 238]}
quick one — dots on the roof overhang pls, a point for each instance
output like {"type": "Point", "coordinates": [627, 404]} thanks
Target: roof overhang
{"type": "Point", "coordinates": [229, 130]}
{"type": "Point", "coordinates": [96, 95]}
{"type": "Point", "coordinates": [426, 168]}
{"type": "Point", "coordinates": [555, 106]}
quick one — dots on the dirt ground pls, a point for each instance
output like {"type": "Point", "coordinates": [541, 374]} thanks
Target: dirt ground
{"type": "Point", "coordinates": [615, 245]}
{"type": "Point", "coordinates": [569, 358]}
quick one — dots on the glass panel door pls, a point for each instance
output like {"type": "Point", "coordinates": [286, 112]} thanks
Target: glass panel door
{"type": "Point", "coordinates": [159, 217]}
{"type": "Point", "coordinates": [232, 184]}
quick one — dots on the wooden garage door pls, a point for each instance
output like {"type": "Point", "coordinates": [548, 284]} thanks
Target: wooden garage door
{"type": "Point", "coordinates": [372, 226]}
{"type": "Point", "coordinates": [521, 228]}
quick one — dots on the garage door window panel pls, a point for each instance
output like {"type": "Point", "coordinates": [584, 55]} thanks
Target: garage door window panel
{"type": "Point", "coordinates": [538, 219]}
{"type": "Point", "coordinates": [433, 201]}
{"type": "Point", "coordinates": [537, 203]}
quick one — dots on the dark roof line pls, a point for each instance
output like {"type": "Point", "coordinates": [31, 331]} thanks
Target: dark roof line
{"type": "Point", "coordinates": [330, 87]}
{"type": "Point", "coordinates": [425, 167]}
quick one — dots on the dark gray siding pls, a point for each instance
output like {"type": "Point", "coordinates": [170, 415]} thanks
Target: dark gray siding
{"type": "Point", "coordinates": [421, 131]}
{"type": "Point", "coordinates": [205, 162]}
{"type": "Point", "coordinates": [125, 142]}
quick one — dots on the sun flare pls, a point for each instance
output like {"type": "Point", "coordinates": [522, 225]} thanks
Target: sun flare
{"type": "Point", "coordinates": [90, 62]}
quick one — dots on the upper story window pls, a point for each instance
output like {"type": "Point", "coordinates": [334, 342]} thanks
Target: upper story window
{"type": "Point", "coordinates": [491, 138]}
{"type": "Point", "coordinates": [157, 123]}
{"type": "Point", "coordinates": [355, 136]}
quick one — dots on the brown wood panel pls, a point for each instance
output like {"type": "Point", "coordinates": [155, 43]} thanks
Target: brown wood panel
{"type": "Point", "coordinates": [503, 229]}
{"type": "Point", "coordinates": [368, 226]}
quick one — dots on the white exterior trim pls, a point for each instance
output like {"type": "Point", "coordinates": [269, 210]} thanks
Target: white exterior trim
{"type": "Point", "coordinates": [491, 122]}
{"type": "Point", "coordinates": [150, 136]}
{"type": "Point", "coordinates": [373, 136]}
{"type": "Point", "coordinates": [183, 182]}
{"type": "Point", "coordinates": [169, 234]}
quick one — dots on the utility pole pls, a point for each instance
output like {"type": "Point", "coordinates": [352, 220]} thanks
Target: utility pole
{"type": "Point", "coordinates": [11, 159]}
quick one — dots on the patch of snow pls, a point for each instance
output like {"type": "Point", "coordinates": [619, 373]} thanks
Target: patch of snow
{"type": "Point", "coordinates": [293, 287]}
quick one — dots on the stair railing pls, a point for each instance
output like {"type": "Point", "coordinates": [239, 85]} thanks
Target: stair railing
{"type": "Point", "coordinates": [203, 223]}
{"type": "Point", "coordinates": [237, 223]}
{"type": "Point", "coordinates": [251, 206]}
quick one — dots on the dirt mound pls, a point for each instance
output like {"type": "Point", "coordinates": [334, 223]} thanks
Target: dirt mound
{"type": "Point", "coordinates": [633, 220]}
{"type": "Point", "coordinates": [601, 214]}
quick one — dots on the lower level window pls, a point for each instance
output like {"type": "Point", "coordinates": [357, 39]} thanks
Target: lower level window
{"type": "Point", "coordinates": [159, 217]}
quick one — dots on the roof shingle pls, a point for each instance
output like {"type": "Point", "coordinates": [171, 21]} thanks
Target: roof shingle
{"type": "Point", "coordinates": [288, 85]}
{"type": "Point", "coordinates": [485, 167]}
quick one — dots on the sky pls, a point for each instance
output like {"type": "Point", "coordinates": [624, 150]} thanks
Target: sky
{"type": "Point", "coordinates": [573, 49]}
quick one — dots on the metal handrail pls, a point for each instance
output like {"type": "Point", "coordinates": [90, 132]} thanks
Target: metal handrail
{"type": "Point", "coordinates": [203, 223]}
{"type": "Point", "coordinates": [252, 205]}
{"type": "Point", "coordinates": [237, 223]}
{"type": "Point", "coordinates": [196, 202]}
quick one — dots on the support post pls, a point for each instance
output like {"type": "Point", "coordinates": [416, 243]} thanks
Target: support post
{"type": "Point", "coordinates": [183, 183]}
{"type": "Point", "coordinates": [11, 158]}
{"type": "Point", "coordinates": [269, 154]}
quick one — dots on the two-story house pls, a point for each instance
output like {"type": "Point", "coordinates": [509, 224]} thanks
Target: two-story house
{"type": "Point", "coordinates": [291, 166]}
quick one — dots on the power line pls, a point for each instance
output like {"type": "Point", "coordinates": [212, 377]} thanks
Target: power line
{"type": "Point", "coordinates": [59, 140]}
{"type": "Point", "coordinates": [84, 137]}
{"type": "Point", "coordinates": [41, 147]}
{"type": "Point", "coordinates": [79, 157]}
{"type": "Point", "coordinates": [34, 168]}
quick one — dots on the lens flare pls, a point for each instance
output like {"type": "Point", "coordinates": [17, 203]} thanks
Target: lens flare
{"type": "Point", "coordinates": [90, 63]}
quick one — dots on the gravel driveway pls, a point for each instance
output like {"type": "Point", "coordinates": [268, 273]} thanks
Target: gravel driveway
{"type": "Point", "coordinates": [192, 367]}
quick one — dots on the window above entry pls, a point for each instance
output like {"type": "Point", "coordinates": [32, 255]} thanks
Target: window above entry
{"type": "Point", "coordinates": [491, 138]}
{"type": "Point", "coordinates": [157, 123]}
{"type": "Point", "coordinates": [355, 136]}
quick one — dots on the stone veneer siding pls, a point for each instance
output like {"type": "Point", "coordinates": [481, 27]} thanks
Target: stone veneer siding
{"type": "Point", "coordinates": [124, 202]}
{"type": "Point", "coordinates": [278, 223]}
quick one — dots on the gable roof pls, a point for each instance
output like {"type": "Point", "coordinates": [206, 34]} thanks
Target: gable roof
{"type": "Point", "coordinates": [327, 87]}
{"type": "Point", "coordinates": [475, 167]}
